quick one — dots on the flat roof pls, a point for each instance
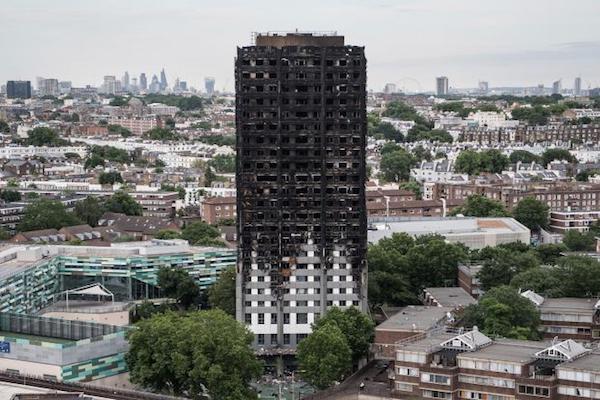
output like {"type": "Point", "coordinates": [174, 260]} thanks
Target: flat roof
{"type": "Point", "coordinates": [517, 351]}
{"type": "Point", "coordinates": [415, 318]}
{"type": "Point", "coordinates": [429, 344]}
{"type": "Point", "coordinates": [589, 362]}
{"type": "Point", "coordinates": [569, 304]}
{"type": "Point", "coordinates": [450, 296]}
{"type": "Point", "coordinates": [35, 338]}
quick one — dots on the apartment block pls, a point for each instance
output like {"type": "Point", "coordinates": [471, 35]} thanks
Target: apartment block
{"type": "Point", "coordinates": [532, 134]}
{"type": "Point", "coordinates": [565, 221]}
{"type": "Point", "coordinates": [301, 173]}
{"type": "Point", "coordinates": [216, 209]}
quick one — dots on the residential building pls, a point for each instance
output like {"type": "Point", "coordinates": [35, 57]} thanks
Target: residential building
{"type": "Point", "coordinates": [216, 209]}
{"type": "Point", "coordinates": [157, 204]}
{"type": "Point", "coordinates": [301, 173]}
{"type": "Point", "coordinates": [470, 365]}
{"type": "Point", "coordinates": [48, 87]}
{"type": "Point", "coordinates": [137, 125]}
{"type": "Point", "coordinates": [137, 227]}
{"type": "Point", "coordinates": [557, 87]}
{"type": "Point", "coordinates": [209, 85]}
{"type": "Point", "coordinates": [454, 297]}
{"type": "Point", "coordinates": [577, 86]}
{"type": "Point", "coordinates": [441, 86]}
{"type": "Point", "coordinates": [18, 89]}
{"type": "Point", "coordinates": [564, 221]}
{"type": "Point", "coordinates": [468, 280]}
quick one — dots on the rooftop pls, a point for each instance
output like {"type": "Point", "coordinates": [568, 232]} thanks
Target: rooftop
{"type": "Point", "coordinates": [450, 296]}
{"type": "Point", "coordinates": [517, 351]}
{"type": "Point", "coordinates": [591, 362]}
{"type": "Point", "coordinates": [415, 318]}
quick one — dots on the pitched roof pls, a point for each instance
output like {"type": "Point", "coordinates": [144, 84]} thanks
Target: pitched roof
{"type": "Point", "coordinates": [127, 223]}
{"type": "Point", "coordinates": [533, 297]}
{"type": "Point", "coordinates": [470, 341]}
{"type": "Point", "coordinates": [44, 235]}
{"type": "Point", "coordinates": [565, 350]}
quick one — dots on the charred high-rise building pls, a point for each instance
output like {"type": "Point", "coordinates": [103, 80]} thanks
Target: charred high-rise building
{"type": "Point", "coordinates": [302, 226]}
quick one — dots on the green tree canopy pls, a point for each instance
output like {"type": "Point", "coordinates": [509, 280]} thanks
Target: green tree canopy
{"type": "Point", "coordinates": [502, 311]}
{"type": "Point", "coordinates": [523, 156]}
{"type": "Point", "coordinates": [177, 284]}
{"type": "Point", "coordinates": [167, 234]}
{"type": "Point", "coordinates": [357, 328]}
{"type": "Point", "coordinates": [223, 163]}
{"type": "Point", "coordinates": [110, 178]}
{"type": "Point", "coordinates": [400, 267]}
{"type": "Point", "coordinates": [324, 356]}
{"type": "Point", "coordinates": [43, 136]}
{"type": "Point", "coordinates": [537, 115]}
{"type": "Point", "coordinates": [395, 166]}
{"type": "Point", "coordinates": [161, 134]}
{"type": "Point", "coordinates": [557, 154]}
{"type": "Point", "coordinates": [501, 264]}
{"type": "Point", "coordinates": [222, 293]}
{"type": "Point", "coordinates": [9, 195]}
{"type": "Point", "coordinates": [4, 127]}
{"type": "Point", "coordinates": [532, 213]}
{"type": "Point", "coordinates": [122, 202]}
{"type": "Point", "coordinates": [44, 213]}
{"type": "Point", "coordinates": [477, 205]}
{"type": "Point", "coordinates": [201, 234]}
{"type": "Point", "coordinates": [119, 130]}
{"type": "Point", "coordinates": [549, 253]}
{"type": "Point", "coordinates": [473, 163]}
{"type": "Point", "coordinates": [90, 210]}
{"type": "Point", "coordinates": [193, 355]}
{"type": "Point", "coordinates": [578, 241]}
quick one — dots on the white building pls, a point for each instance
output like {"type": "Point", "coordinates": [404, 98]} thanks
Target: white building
{"type": "Point", "coordinates": [163, 109]}
{"type": "Point", "coordinates": [41, 151]}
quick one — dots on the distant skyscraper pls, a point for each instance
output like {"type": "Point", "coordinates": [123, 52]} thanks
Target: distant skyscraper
{"type": "Point", "coordinates": [183, 86]}
{"type": "Point", "coordinates": [110, 85]}
{"type": "Point", "coordinates": [154, 85]}
{"type": "Point", "coordinates": [557, 87]}
{"type": "Point", "coordinates": [49, 87]}
{"type": "Point", "coordinates": [125, 81]}
{"type": "Point", "coordinates": [18, 89]}
{"type": "Point", "coordinates": [389, 88]}
{"type": "Point", "coordinates": [209, 85]}
{"type": "Point", "coordinates": [65, 87]}
{"type": "Point", "coordinates": [163, 80]}
{"type": "Point", "coordinates": [441, 85]}
{"type": "Point", "coordinates": [143, 81]}
{"type": "Point", "coordinates": [577, 86]}
{"type": "Point", "coordinates": [484, 86]}
{"type": "Point", "coordinates": [301, 172]}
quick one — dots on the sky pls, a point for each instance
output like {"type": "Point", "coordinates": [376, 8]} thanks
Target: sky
{"type": "Point", "coordinates": [407, 42]}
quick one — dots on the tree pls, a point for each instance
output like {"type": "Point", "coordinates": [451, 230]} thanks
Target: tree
{"type": "Point", "coordinates": [92, 161]}
{"type": "Point", "coordinates": [477, 205]}
{"type": "Point", "coordinates": [543, 281]}
{"type": "Point", "coordinates": [532, 213]}
{"type": "Point", "coordinates": [10, 195]}
{"type": "Point", "coordinates": [419, 132]}
{"type": "Point", "coordinates": [468, 162]}
{"type": "Point", "coordinates": [90, 210]}
{"type": "Point", "coordinates": [167, 234]}
{"type": "Point", "coordinates": [46, 214]}
{"type": "Point", "coordinates": [557, 154]}
{"type": "Point", "coordinates": [193, 355]}
{"type": "Point", "coordinates": [493, 161]}
{"type": "Point", "coordinates": [110, 178]}
{"type": "Point", "coordinates": [4, 127]}
{"type": "Point", "coordinates": [537, 115]}
{"type": "Point", "coordinates": [122, 202]}
{"type": "Point", "coordinates": [357, 328]}
{"type": "Point", "coordinates": [395, 166]}
{"type": "Point", "coordinates": [579, 276]}
{"type": "Point", "coordinates": [400, 267]}
{"type": "Point", "coordinates": [501, 265]}
{"type": "Point", "coordinates": [549, 253]}
{"type": "Point", "coordinates": [420, 154]}
{"type": "Point", "coordinates": [118, 101]}
{"type": "Point", "coordinates": [119, 130]}
{"type": "Point", "coordinates": [523, 156]}
{"type": "Point", "coordinates": [43, 136]}
{"type": "Point", "coordinates": [178, 284]}
{"type": "Point", "coordinates": [413, 187]}
{"type": "Point", "coordinates": [502, 311]}
{"type": "Point", "coordinates": [222, 293]}
{"type": "Point", "coordinates": [223, 163]}
{"type": "Point", "coordinates": [578, 241]}
{"type": "Point", "coordinates": [324, 356]}
{"type": "Point", "coordinates": [201, 234]}
{"type": "Point", "coordinates": [161, 134]}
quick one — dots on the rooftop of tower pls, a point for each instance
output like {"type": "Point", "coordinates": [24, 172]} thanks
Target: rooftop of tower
{"type": "Point", "coordinates": [297, 38]}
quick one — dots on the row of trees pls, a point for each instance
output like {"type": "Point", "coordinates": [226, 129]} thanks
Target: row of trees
{"type": "Point", "coordinates": [530, 212]}
{"type": "Point", "coordinates": [45, 213]}
{"type": "Point", "coordinates": [197, 233]}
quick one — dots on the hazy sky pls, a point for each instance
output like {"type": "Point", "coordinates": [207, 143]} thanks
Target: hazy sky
{"type": "Point", "coordinates": [408, 42]}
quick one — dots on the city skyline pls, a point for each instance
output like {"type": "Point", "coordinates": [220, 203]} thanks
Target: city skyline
{"type": "Point", "coordinates": [507, 49]}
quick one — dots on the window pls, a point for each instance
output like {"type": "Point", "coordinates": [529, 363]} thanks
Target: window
{"type": "Point", "coordinates": [261, 319]}
{"type": "Point", "coordinates": [286, 338]}
{"type": "Point", "coordinates": [405, 371]}
{"type": "Point", "coordinates": [434, 394]}
{"type": "Point", "coordinates": [433, 378]}
{"type": "Point", "coordinates": [260, 338]}
{"type": "Point", "coordinates": [273, 318]}
{"type": "Point", "coordinates": [273, 338]}
{"type": "Point", "coordinates": [405, 387]}
{"type": "Point", "coordinates": [248, 318]}
{"type": "Point", "coordinates": [302, 318]}
{"type": "Point", "coordinates": [286, 318]}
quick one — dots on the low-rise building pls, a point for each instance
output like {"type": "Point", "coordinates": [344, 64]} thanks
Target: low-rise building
{"type": "Point", "coordinates": [216, 209]}
{"type": "Point", "coordinates": [565, 221]}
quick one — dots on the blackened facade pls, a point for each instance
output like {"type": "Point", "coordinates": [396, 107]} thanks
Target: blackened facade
{"type": "Point", "coordinates": [302, 223]}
